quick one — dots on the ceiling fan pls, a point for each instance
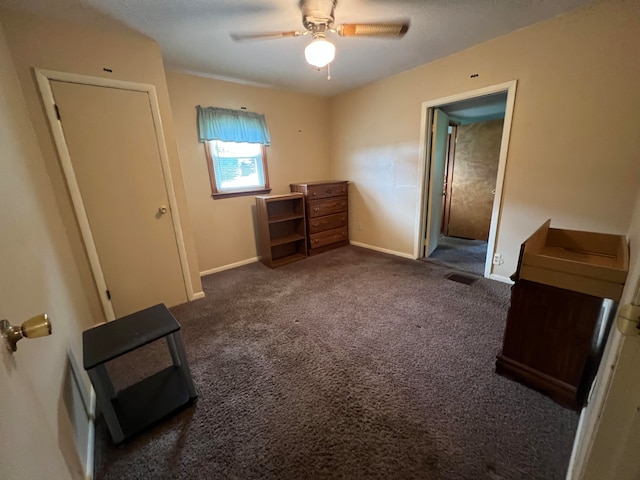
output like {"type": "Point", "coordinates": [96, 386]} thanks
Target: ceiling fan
{"type": "Point", "coordinates": [317, 18]}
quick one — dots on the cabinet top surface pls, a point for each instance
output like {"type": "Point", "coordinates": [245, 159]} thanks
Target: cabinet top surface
{"type": "Point", "coordinates": [280, 197]}
{"type": "Point", "coordinates": [322, 183]}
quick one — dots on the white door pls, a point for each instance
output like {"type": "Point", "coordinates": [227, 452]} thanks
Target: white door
{"type": "Point", "coordinates": [113, 145]}
{"type": "Point", "coordinates": [608, 443]}
{"type": "Point", "coordinates": [439, 140]}
{"type": "Point", "coordinates": [29, 447]}
{"type": "Point", "coordinates": [614, 453]}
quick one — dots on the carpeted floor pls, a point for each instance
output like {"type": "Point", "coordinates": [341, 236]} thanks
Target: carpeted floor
{"type": "Point", "coordinates": [461, 254]}
{"type": "Point", "coordinates": [351, 364]}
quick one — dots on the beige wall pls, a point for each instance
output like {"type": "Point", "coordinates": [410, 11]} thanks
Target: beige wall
{"type": "Point", "coordinates": [574, 140]}
{"type": "Point", "coordinates": [49, 44]}
{"type": "Point", "coordinates": [224, 229]}
{"type": "Point", "coordinates": [38, 274]}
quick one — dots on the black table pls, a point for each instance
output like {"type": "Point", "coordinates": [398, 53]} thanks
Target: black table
{"type": "Point", "coordinates": [129, 411]}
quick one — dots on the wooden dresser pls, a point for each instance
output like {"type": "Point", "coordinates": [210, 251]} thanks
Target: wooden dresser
{"type": "Point", "coordinates": [327, 212]}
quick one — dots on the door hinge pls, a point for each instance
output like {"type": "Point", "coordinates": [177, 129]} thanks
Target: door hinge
{"type": "Point", "coordinates": [108, 295]}
{"type": "Point", "coordinates": [57, 111]}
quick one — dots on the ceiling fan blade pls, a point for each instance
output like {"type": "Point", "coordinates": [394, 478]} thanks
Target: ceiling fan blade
{"type": "Point", "coordinates": [240, 37]}
{"type": "Point", "coordinates": [388, 30]}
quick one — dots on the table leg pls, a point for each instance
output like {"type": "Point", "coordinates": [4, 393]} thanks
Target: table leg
{"type": "Point", "coordinates": [171, 343]}
{"type": "Point", "coordinates": [174, 340]}
{"type": "Point", "coordinates": [104, 394]}
{"type": "Point", "coordinates": [105, 380]}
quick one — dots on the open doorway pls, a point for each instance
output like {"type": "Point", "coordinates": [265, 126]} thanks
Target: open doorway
{"type": "Point", "coordinates": [465, 146]}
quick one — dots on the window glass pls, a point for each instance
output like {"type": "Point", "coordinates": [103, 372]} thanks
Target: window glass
{"type": "Point", "coordinates": [237, 168]}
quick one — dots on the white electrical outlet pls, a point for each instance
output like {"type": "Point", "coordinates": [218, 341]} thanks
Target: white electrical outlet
{"type": "Point", "coordinates": [497, 259]}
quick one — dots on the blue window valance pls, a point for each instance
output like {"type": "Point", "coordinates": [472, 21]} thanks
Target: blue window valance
{"type": "Point", "coordinates": [232, 126]}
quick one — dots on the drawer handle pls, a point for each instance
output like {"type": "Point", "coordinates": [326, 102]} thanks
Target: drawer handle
{"type": "Point", "coordinates": [344, 204]}
{"type": "Point", "coordinates": [316, 240]}
{"type": "Point", "coordinates": [316, 224]}
{"type": "Point", "coordinates": [316, 209]}
{"type": "Point", "coordinates": [314, 194]}
{"type": "Point", "coordinates": [344, 234]}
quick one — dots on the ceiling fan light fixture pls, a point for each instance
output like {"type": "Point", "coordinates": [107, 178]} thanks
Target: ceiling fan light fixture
{"type": "Point", "coordinates": [320, 52]}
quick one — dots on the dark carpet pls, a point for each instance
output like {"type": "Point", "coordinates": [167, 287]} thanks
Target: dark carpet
{"type": "Point", "coordinates": [461, 254]}
{"type": "Point", "coordinates": [351, 364]}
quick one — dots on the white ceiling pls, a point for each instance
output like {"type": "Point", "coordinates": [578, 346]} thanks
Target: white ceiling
{"type": "Point", "coordinates": [194, 34]}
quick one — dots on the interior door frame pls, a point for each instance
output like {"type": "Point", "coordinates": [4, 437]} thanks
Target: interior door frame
{"type": "Point", "coordinates": [44, 77]}
{"type": "Point", "coordinates": [435, 199]}
{"type": "Point", "coordinates": [421, 226]}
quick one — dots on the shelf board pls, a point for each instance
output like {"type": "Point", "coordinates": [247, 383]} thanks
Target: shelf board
{"type": "Point", "coordinates": [278, 262]}
{"type": "Point", "coordinates": [285, 217]}
{"type": "Point", "coordinates": [150, 400]}
{"type": "Point", "coordinates": [288, 239]}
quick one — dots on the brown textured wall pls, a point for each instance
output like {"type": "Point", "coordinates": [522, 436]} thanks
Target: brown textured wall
{"type": "Point", "coordinates": [474, 179]}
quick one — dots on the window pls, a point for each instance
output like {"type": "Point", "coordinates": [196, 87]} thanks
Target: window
{"type": "Point", "coordinates": [235, 144]}
{"type": "Point", "coordinates": [237, 169]}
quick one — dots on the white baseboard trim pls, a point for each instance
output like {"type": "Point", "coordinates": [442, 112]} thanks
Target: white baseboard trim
{"type": "Point", "coordinates": [197, 295]}
{"type": "Point", "coordinates": [383, 250]}
{"type": "Point", "coordinates": [91, 437]}
{"type": "Point", "coordinates": [229, 267]}
{"type": "Point", "coordinates": [500, 278]}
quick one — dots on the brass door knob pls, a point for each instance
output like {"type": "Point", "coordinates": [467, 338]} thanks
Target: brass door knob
{"type": "Point", "coordinates": [38, 326]}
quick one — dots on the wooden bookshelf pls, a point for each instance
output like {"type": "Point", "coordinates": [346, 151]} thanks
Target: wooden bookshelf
{"type": "Point", "coordinates": [282, 229]}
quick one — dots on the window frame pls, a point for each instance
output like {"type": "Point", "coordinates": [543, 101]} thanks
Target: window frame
{"type": "Point", "coordinates": [217, 194]}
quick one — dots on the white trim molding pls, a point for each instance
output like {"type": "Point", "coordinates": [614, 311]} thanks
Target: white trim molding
{"type": "Point", "coordinates": [500, 278]}
{"type": "Point", "coordinates": [198, 296]}
{"type": "Point", "coordinates": [44, 77]}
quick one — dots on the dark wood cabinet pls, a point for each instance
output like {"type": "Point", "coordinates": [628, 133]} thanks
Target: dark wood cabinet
{"type": "Point", "coordinates": [282, 228]}
{"type": "Point", "coordinates": [327, 207]}
{"type": "Point", "coordinates": [553, 340]}
{"type": "Point", "coordinates": [562, 307]}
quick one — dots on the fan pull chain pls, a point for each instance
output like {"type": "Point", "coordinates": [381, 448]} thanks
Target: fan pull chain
{"type": "Point", "coordinates": [328, 71]}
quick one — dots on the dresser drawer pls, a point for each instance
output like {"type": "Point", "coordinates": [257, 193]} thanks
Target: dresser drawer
{"type": "Point", "coordinates": [326, 190]}
{"type": "Point", "coordinates": [328, 222]}
{"type": "Point", "coordinates": [328, 237]}
{"type": "Point", "coordinates": [318, 208]}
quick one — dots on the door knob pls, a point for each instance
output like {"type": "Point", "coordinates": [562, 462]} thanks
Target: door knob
{"type": "Point", "coordinates": [38, 326]}
{"type": "Point", "coordinates": [162, 209]}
